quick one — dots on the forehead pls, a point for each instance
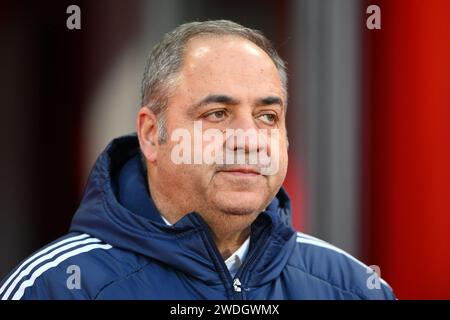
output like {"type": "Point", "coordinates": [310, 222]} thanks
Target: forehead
{"type": "Point", "coordinates": [229, 65]}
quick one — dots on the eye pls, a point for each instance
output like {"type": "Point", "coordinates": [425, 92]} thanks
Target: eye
{"type": "Point", "coordinates": [215, 115]}
{"type": "Point", "coordinates": [268, 118]}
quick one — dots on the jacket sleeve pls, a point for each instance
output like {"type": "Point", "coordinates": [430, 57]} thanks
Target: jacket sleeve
{"type": "Point", "coordinates": [54, 284]}
{"type": "Point", "coordinates": [73, 268]}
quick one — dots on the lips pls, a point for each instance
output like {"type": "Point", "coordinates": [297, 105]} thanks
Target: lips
{"type": "Point", "coordinates": [243, 170]}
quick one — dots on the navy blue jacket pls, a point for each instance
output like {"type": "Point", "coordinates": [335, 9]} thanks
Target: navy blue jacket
{"type": "Point", "coordinates": [120, 248]}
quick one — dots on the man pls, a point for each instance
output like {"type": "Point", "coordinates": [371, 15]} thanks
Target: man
{"type": "Point", "coordinates": [152, 226]}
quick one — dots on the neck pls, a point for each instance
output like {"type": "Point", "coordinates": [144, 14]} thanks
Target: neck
{"type": "Point", "coordinates": [227, 244]}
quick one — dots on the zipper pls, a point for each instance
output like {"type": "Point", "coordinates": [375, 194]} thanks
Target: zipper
{"type": "Point", "coordinates": [235, 295]}
{"type": "Point", "coordinates": [236, 284]}
{"type": "Point", "coordinates": [242, 273]}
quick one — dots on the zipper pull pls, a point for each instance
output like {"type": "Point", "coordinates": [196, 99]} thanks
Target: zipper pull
{"type": "Point", "coordinates": [237, 285]}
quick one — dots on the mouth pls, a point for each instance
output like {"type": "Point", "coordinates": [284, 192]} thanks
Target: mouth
{"type": "Point", "coordinates": [241, 171]}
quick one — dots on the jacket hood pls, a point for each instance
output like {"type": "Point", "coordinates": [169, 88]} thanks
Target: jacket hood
{"type": "Point", "coordinates": [116, 207]}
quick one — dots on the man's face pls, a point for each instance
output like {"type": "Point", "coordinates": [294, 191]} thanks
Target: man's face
{"type": "Point", "coordinates": [224, 83]}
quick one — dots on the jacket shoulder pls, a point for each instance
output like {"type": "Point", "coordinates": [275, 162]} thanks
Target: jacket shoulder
{"type": "Point", "coordinates": [76, 266]}
{"type": "Point", "coordinates": [337, 269]}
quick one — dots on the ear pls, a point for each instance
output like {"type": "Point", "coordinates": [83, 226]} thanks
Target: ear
{"type": "Point", "coordinates": [147, 131]}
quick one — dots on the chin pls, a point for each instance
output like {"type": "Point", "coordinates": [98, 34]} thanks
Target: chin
{"type": "Point", "coordinates": [240, 202]}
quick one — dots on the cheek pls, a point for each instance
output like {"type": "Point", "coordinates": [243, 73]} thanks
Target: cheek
{"type": "Point", "coordinates": [165, 161]}
{"type": "Point", "coordinates": [279, 159]}
{"type": "Point", "coordinates": [285, 161]}
{"type": "Point", "coordinates": [279, 177]}
{"type": "Point", "coordinates": [182, 173]}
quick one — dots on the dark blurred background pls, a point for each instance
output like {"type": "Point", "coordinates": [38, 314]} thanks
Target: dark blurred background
{"type": "Point", "coordinates": [369, 118]}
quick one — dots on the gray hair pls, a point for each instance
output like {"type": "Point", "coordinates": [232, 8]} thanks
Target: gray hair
{"type": "Point", "coordinates": [165, 60]}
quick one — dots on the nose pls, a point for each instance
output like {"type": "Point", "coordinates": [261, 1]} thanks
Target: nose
{"type": "Point", "coordinates": [244, 135]}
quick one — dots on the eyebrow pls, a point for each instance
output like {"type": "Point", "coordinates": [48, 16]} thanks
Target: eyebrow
{"type": "Point", "coordinates": [270, 100]}
{"type": "Point", "coordinates": [217, 98]}
{"type": "Point", "coordinates": [225, 99]}
{"type": "Point", "coordinates": [213, 98]}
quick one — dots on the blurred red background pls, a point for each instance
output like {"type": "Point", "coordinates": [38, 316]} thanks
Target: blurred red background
{"type": "Point", "coordinates": [406, 147]}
